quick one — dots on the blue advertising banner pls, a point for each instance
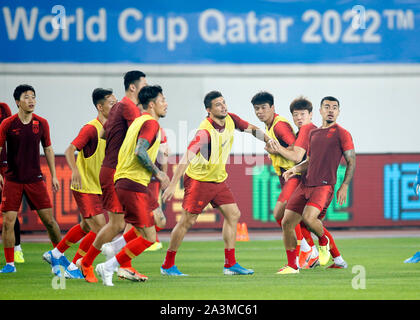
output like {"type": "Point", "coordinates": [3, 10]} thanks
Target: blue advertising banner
{"type": "Point", "coordinates": [203, 32]}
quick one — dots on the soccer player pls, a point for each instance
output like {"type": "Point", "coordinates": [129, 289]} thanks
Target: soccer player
{"type": "Point", "coordinates": [135, 167]}
{"type": "Point", "coordinates": [5, 112]}
{"type": "Point", "coordinates": [120, 118]}
{"type": "Point", "coordinates": [85, 186]}
{"type": "Point", "coordinates": [327, 145]}
{"type": "Point", "coordinates": [301, 110]}
{"type": "Point", "coordinates": [416, 257]}
{"type": "Point", "coordinates": [204, 166]}
{"type": "Point", "coordinates": [22, 133]}
{"type": "Point", "coordinates": [280, 130]}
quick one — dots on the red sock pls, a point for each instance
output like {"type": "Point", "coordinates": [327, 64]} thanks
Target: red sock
{"type": "Point", "coordinates": [307, 235]}
{"type": "Point", "coordinates": [229, 257]}
{"type": "Point", "coordinates": [9, 255]}
{"type": "Point", "coordinates": [333, 248]}
{"type": "Point", "coordinates": [90, 256]}
{"type": "Point", "coordinates": [72, 236]}
{"type": "Point", "coordinates": [54, 244]}
{"type": "Point", "coordinates": [130, 235]}
{"type": "Point", "coordinates": [291, 258]}
{"type": "Point", "coordinates": [84, 246]}
{"type": "Point", "coordinates": [299, 238]}
{"type": "Point", "coordinates": [323, 240]}
{"type": "Point", "coordinates": [132, 249]}
{"type": "Point", "coordinates": [169, 259]}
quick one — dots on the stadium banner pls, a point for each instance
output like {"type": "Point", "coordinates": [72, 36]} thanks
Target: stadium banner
{"type": "Point", "coordinates": [380, 195]}
{"type": "Point", "coordinates": [216, 32]}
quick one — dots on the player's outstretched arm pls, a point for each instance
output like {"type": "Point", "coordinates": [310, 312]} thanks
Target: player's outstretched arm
{"type": "Point", "coordinates": [293, 153]}
{"type": "Point", "coordinates": [350, 156]}
{"type": "Point", "coordinates": [50, 157]}
{"type": "Point", "coordinates": [179, 172]}
{"type": "Point", "coordinates": [143, 157]}
{"type": "Point", "coordinates": [300, 168]}
{"type": "Point", "coordinates": [76, 179]}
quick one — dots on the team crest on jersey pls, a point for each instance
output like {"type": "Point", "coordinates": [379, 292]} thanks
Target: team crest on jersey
{"type": "Point", "coordinates": [35, 126]}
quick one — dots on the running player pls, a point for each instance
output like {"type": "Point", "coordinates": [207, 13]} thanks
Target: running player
{"type": "Point", "coordinates": [135, 168]}
{"type": "Point", "coordinates": [327, 145]}
{"type": "Point", "coordinates": [85, 186]}
{"type": "Point", "coordinates": [301, 110]}
{"type": "Point", "coordinates": [120, 118]}
{"type": "Point", "coordinates": [23, 132]}
{"type": "Point", "coordinates": [280, 130]}
{"type": "Point", "coordinates": [5, 112]}
{"type": "Point", "coordinates": [204, 181]}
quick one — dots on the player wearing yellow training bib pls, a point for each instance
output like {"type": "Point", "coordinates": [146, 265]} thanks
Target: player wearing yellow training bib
{"type": "Point", "coordinates": [205, 181]}
{"type": "Point", "coordinates": [85, 186]}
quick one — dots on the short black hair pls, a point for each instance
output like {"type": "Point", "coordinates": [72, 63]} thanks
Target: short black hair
{"type": "Point", "coordinates": [301, 103]}
{"type": "Point", "coordinates": [99, 95]}
{"type": "Point", "coordinates": [149, 93]}
{"type": "Point", "coordinates": [210, 97]}
{"type": "Point", "coordinates": [131, 77]}
{"type": "Point", "coordinates": [263, 97]}
{"type": "Point", "coordinates": [21, 89]}
{"type": "Point", "coordinates": [330, 98]}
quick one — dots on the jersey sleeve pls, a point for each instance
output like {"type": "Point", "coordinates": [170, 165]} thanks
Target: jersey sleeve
{"type": "Point", "coordinates": [240, 124]}
{"type": "Point", "coordinates": [5, 110]}
{"type": "Point", "coordinates": [87, 133]}
{"type": "Point", "coordinates": [4, 126]}
{"type": "Point", "coordinates": [201, 138]}
{"type": "Point", "coordinates": [149, 130]}
{"type": "Point", "coordinates": [163, 138]}
{"type": "Point", "coordinates": [346, 140]}
{"type": "Point", "coordinates": [130, 114]}
{"type": "Point", "coordinates": [302, 139]}
{"type": "Point", "coordinates": [45, 139]}
{"type": "Point", "coordinates": [284, 132]}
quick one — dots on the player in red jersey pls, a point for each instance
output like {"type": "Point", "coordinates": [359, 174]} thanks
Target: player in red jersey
{"type": "Point", "coordinates": [132, 176]}
{"type": "Point", "coordinates": [85, 187]}
{"type": "Point", "coordinates": [22, 133]}
{"type": "Point", "coordinates": [204, 181]}
{"type": "Point", "coordinates": [5, 112]}
{"type": "Point", "coordinates": [327, 145]}
{"type": "Point", "coordinates": [120, 118]}
{"type": "Point", "coordinates": [301, 110]}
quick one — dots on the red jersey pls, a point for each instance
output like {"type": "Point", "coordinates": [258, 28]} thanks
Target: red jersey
{"type": "Point", "coordinates": [302, 139]}
{"type": "Point", "coordinates": [284, 133]}
{"type": "Point", "coordinates": [87, 139]}
{"type": "Point", "coordinates": [120, 118]}
{"type": "Point", "coordinates": [4, 113]}
{"type": "Point", "coordinates": [202, 140]}
{"type": "Point", "coordinates": [22, 141]}
{"type": "Point", "coordinates": [326, 147]}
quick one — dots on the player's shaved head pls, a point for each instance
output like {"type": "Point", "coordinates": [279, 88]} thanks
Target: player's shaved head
{"type": "Point", "coordinates": [99, 95]}
{"type": "Point", "coordinates": [330, 98]}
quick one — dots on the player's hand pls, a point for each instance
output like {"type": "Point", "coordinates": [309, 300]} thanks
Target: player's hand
{"type": "Point", "coordinates": [55, 184]}
{"type": "Point", "coordinates": [169, 193]}
{"type": "Point", "coordinates": [342, 194]}
{"type": "Point", "coordinates": [272, 146]}
{"type": "Point", "coordinates": [1, 183]}
{"type": "Point", "coordinates": [164, 179]}
{"type": "Point", "coordinates": [76, 180]}
{"type": "Point", "coordinates": [289, 173]}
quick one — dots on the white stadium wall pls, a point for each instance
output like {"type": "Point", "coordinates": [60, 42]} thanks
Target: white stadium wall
{"type": "Point", "coordinates": [379, 103]}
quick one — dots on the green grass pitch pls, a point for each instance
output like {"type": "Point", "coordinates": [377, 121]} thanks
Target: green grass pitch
{"type": "Point", "coordinates": [386, 276]}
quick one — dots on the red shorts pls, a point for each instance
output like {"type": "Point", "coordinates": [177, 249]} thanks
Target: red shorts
{"type": "Point", "coordinates": [136, 208]}
{"type": "Point", "coordinates": [153, 190]}
{"type": "Point", "coordinates": [198, 194]}
{"type": "Point", "coordinates": [89, 204]}
{"type": "Point", "coordinates": [110, 200]}
{"type": "Point", "coordinates": [319, 197]}
{"type": "Point", "coordinates": [36, 194]}
{"type": "Point", "coordinates": [287, 188]}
